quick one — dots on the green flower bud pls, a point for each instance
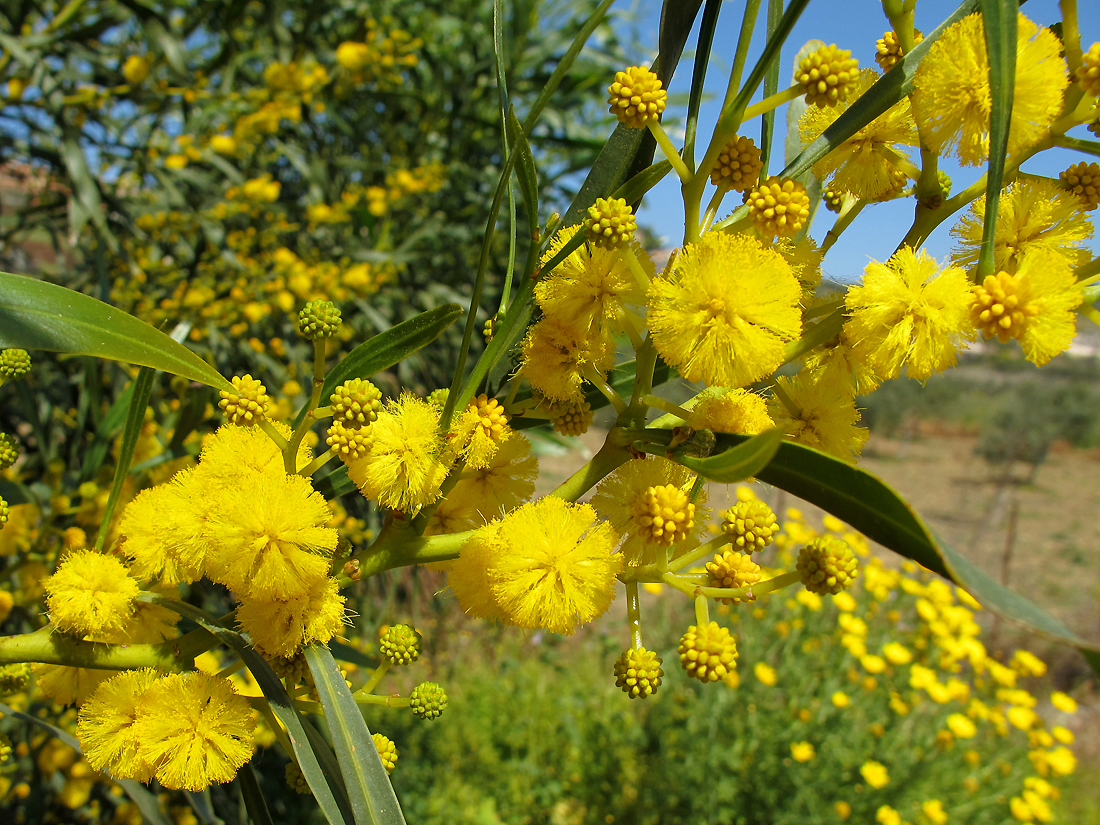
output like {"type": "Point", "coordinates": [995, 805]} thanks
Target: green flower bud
{"type": "Point", "coordinates": [400, 644]}
{"type": "Point", "coordinates": [428, 700]}
{"type": "Point", "coordinates": [319, 319]}
{"type": "Point", "coordinates": [387, 751]}
{"type": "Point", "coordinates": [356, 402]}
{"type": "Point", "coordinates": [14, 363]}
{"type": "Point", "coordinates": [9, 451]}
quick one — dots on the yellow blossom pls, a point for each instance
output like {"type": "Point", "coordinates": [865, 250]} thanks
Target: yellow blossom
{"type": "Point", "coordinates": [559, 353]}
{"type": "Point", "coordinates": [961, 726]}
{"type": "Point", "coordinates": [766, 674]}
{"type": "Point", "coordinates": [90, 593]}
{"type": "Point", "coordinates": [726, 331]}
{"type": "Point", "coordinates": [933, 809]}
{"type": "Point", "coordinates": [1063, 702]}
{"type": "Point", "coordinates": [402, 469]}
{"type": "Point", "coordinates": [105, 725]}
{"type": "Point", "coordinates": [802, 751]}
{"type": "Point", "coordinates": [840, 699]}
{"type": "Point", "coordinates": [821, 414]}
{"type": "Point", "coordinates": [885, 815]}
{"type": "Point", "coordinates": [909, 313]}
{"type": "Point", "coordinates": [730, 411]}
{"type": "Point", "coordinates": [868, 164]}
{"type": "Point", "coordinates": [875, 774]}
{"type": "Point", "coordinates": [951, 94]}
{"type": "Point", "coordinates": [281, 627]}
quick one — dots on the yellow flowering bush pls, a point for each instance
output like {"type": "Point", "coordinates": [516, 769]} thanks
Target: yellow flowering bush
{"type": "Point", "coordinates": [194, 597]}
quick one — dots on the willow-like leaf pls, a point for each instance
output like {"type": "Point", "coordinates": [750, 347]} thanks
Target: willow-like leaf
{"type": "Point", "coordinates": [999, 19]}
{"type": "Point", "coordinates": [373, 801]}
{"type": "Point", "coordinates": [135, 419]}
{"type": "Point", "coordinates": [36, 315]}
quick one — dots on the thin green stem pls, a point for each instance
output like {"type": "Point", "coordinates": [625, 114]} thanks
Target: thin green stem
{"type": "Point", "coordinates": [608, 392]}
{"type": "Point", "coordinates": [715, 203]}
{"type": "Point", "coordinates": [702, 611]}
{"type": "Point", "coordinates": [700, 552]}
{"type": "Point", "coordinates": [611, 455]}
{"type": "Point", "coordinates": [843, 221]}
{"type": "Point", "coordinates": [784, 398]}
{"type": "Point", "coordinates": [375, 678]}
{"type": "Point", "coordinates": [229, 670]}
{"type": "Point", "coordinates": [816, 335]}
{"type": "Point", "coordinates": [633, 615]}
{"type": "Point", "coordinates": [317, 463]}
{"type": "Point", "coordinates": [670, 151]}
{"type": "Point", "coordinates": [269, 430]}
{"type": "Point", "coordinates": [644, 364]}
{"type": "Point", "coordinates": [773, 102]}
{"type": "Point", "coordinates": [47, 646]}
{"type": "Point", "coordinates": [291, 452]}
{"type": "Point", "coordinates": [658, 403]}
{"type": "Point", "coordinates": [635, 267]}
{"type": "Point", "coordinates": [385, 701]}
{"type": "Point", "coordinates": [752, 591]}
{"type": "Point", "coordinates": [1071, 35]}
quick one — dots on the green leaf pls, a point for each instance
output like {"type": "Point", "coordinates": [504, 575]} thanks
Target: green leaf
{"type": "Point", "coordinates": [525, 170]}
{"type": "Point", "coordinates": [737, 463]}
{"type": "Point", "coordinates": [13, 493]}
{"type": "Point", "coordinates": [771, 86]}
{"type": "Point", "coordinates": [874, 509]}
{"type": "Point", "coordinates": [108, 426]}
{"type": "Point", "coordinates": [36, 315]}
{"type": "Point", "coordinates": [999, 17]}
{"type": "Point", "coordinates": [388, 348]}
{"type": "Point", "coordinates": [372, 798]}
{"type": "Point", "coordinates": [145, 801]}
{"type": "Point", "coordinates": [254, 800]}
{"type": "Point", "coordinates": [135, 419]}
{"type": "Point", "coordinates": [633, 189]}
{"type": "Point", "coordinates": [314, 757]}
{"type": "Point", "coordinates": [698, 77]}
{"type": "Point", "coordinates": [335, 484]}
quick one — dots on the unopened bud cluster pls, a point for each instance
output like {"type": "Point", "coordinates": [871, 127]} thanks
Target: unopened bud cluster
{"type": "Point", "coordinates": [779, 206]}
{"type": "Point", "coordinates": [247, 404]}
{"type": "Point", "coordinates": [319, 319]}
{"type": "Point", "coordinates": [14, 363]}
{"type": "Point", "coordinates": [387, 751]}
{"type": "Point", "coordinates": [751, 525]}
{"type": "Point", "coordinates": [828, 75]}
{"type": "Point", "coordinates": [638, 672]}
{"type": "Point", "coordinates": [574, 419]}
{"type": "Point", "coordinates": [400, 644]}
{"type": "Point", "coordinates": [610, 223]}
{"type": "Point", "coordinates": [827, 565]}
{"type": "Point", "coordinates": [428, 700]}
{"type": "Point", "coordinates": [636, 97]}
{"type": "Point", "coordinates": [708, 653]}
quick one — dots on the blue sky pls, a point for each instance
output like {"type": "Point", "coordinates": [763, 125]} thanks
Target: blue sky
{"type": "Point", "coordinates": [855, 25]}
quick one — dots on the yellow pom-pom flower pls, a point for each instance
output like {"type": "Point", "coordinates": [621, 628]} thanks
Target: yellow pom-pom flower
{"type": "Point", "coordinates": [821, 414]}
{"type": "Point", "coordinates": [549, 565]}
{"type": "Point", "coordinates": [468, 575]}
{"type": "Point", "coordinates": [504, 483]}
{"type": "Point", "coordinates": [738, 165]}
{"type": "Point", "coordinates": [725, 331]}
{"type": "Point", "coordinates": [779, 206]}
{"type": "Point", "coordinates": [162, 533]}
{"type": "Point", "coordinates": [481, 429]}
{"type": "Point", "coordinates": [802, 751]}
{"type": "Point", "coordinates": [875, 774]}
{"type": "Point", "coordinates": [708, 653]}
{"type": "Point", "coordinates": [663, 514]}
{"type": "Point", "coordinates": [270, 541]}
{"type": "Point", "coordinates": [592, 285]}
{"type": "Point", "coordinates": [135, 69]}
{"type": "Point", "coordinates": [1083, 180]}
{"type": "Point", "coordinates": [282, 627]}
{"type": "Point", "coordinates": [195, 730]}
{"type": "Point", "coordinates": [731, 570]}
{"type": "Point", "coordinates": [558, 353]}
{"type": "Point", "coordinates": [827, 565]}
{"type": "Point", "coordinates": [106, 725]}
{"type": "Point", "coordinates": [909, 313]}
{"type": "Point", "coordinates": [356, 402]}
{"type": "Point", "coordinates": [573, 419]}
{"type": "Point", "coordinates": [636, 97]}
{"type": "Point", "coordinates": [402, 469]}
{"type": "Point", "coordinates": [353, 56]}
{"type": "Point", "coordinates": [609, 223]}
{"type": "Point", "coordinates": [248, 404]}
{"type": "Point", "coordinates": [1032, 215]}
{"type": "Point", "coordinates": [828, 75]}
{"type": "Point", "coordinates": [951, 94]}
{"type": "Point", "coordinates": [1034, 306]}
{"type": "Point", "coordinates": [751, 525]}
{"type": "Point", "coordinates": [888, 50]}
{"type": "Point", "coordinates": [90, 593]}
{"type": "Point", "coordinates": [1088, 73]}
{"type": "Point", "coordinates": [624, 498]}
{"type": "Point", "coordinates": [869, 164]}
{"type": "Point", "coordinates": [638, 672]}
{"type": "Point", "coordinates": [730, 411]}
{"type": "Point", "coordinates": [387, 751]}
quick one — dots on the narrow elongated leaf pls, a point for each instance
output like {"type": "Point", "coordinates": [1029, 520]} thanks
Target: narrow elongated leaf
{"type": "Point", "coordinates": [633, 189]}
{"type": "Point", "coordinates": [335, 484]}
{"type": "Point", "coordinates": [525, 171]}
{"type": "Point", "coordinates": [737, 463]}
{"type": "Point", "coordinates": [254, 801]}
{"type": "Point", "coordinates": [388, 348]}
{"type": "Point", "coordinates": [771, 86]}
{"type": "Point", "coordinates": [142, 797]}
{"type": "Point", "coordinates": [372, 798]}
{"type": "Point", "coordinates": [36, 315]}
{"type": "Point", "coordinates": [314, 757]}
{"type": "Point", "coordinates": [135, 419]}
{"type": "Point", "coordinates": [13, 493]}
{"type": "Point", "coordinates": [874, 509]}
{"type": "Point", "coordinates": [999, 18]}
{"type": "Point", "coordinates": [108, 426]}
{"type": "Point", "coordinates": [698, 76]}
